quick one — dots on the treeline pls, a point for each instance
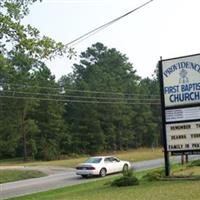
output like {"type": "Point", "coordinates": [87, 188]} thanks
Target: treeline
{"type": "Point", "coordinates": [103, 105]}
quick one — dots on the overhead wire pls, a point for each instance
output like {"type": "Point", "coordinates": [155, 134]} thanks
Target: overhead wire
{"type": "Point", "coordinates": [94, 31]}
{"type": "Point", "coordinates": [78, 97]}
{"type": "Point", "coordinates": [80, 101]}
{"type": "Point", "coordinates": [74, 42]}
{"type": "Point", "coordinates": [62, 88]}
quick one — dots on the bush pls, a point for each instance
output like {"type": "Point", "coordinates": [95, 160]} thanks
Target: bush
{"type": "Point", "coordinates": [195, 163]}
{"type": "Point", "coordinates": [126, 180]}
{"type": "Point", "coordinates": [48, 151]}
{"type": "Point", "coordinates": [154, 175]}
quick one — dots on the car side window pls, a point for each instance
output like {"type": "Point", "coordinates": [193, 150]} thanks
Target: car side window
{"type": "Point", "coordinates": [112, 159]}
{"type": "Point", "coordinates": [117, 160]}
{"type": "Point", "coordinates": [107, 160]}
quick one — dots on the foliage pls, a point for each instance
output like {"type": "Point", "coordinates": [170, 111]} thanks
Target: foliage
{"type": "Point", "coordinates": [126, 180]}
{"type": "Point", "coordinates": [109, 126]}
{"type": "Point", "coordinates": [43, 118]}
{"type": "Point", "coordinates": [46, 129]}
{"type": "Point", "coordinates": [16, 37]}
{"type": "Point", "coordinates": [27, 125]}
{"type": "Point", "coordinates": [154, 175]}
{"type": "Point", "coordinates": [194, 163]}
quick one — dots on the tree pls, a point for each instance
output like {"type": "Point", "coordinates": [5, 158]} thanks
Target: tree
{"type": "Point", "coordinates": [15, 37]}
{"type": "Point", "coordinates": [22, 51]}
{"type": "Point", "coordinates": [149, 121]}
{"type": "Point", "coordinates": [34, 123]}
{"type": "Point", "coordinates": [53, 135]}
{"type": "Point", "coordinates": [97, 126]}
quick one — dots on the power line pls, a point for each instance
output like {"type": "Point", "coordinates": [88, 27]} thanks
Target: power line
{"type": "Point", "coordinates": [94, 31]}
{"type": "Point", "coordinates": [79, 101]}
{"type": "Point", "coordinates": [62, 89]}
{"type": "Point", "coordinates": [79, 97]}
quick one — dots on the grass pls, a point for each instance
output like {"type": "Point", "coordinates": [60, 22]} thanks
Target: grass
{"type": "Point", "coordinates": [186, 171]}
{"type": "Point", "coordinates": [131, 155]}
{"type": "Point", "coordinates": [15, 175]}
{"type": "Point", "coordinates": [99, 190]}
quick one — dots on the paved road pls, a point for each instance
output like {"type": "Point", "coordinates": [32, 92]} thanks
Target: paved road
{"type": "Point", "coordinates": [60, 177]}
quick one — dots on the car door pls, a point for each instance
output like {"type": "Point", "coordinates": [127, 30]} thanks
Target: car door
{"type": "Point", "coordinates": [117, 165]}
{"type": "Point", "coordinates": [109, 165]}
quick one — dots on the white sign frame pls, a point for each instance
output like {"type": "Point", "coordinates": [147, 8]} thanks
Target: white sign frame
{"type": "Point", "coordinates": [181, 80]}
{"type": "Point", "coordinates": [180, 99]}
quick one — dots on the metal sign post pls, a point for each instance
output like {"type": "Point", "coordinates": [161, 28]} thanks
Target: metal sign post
{"type": "Point", "coordinates": [164, 138]}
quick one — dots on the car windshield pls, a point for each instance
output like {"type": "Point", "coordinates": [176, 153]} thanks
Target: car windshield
{"type": "Point", "coordinates": [93, 160]}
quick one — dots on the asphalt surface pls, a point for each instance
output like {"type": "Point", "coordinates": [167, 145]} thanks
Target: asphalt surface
{"type": "Point", "coordinates": [61, 177]}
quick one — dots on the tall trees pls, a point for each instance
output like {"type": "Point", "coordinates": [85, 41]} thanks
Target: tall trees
{"type": "Point", "coordinates": [48, 115]}
{"type": "Point", "coordinates": [22, 50]}
{"type": "Point", "coordinates": [125, 111]}
{"type": "Point", "coordinates": [31, 119]}
{"type": "Point", "coordinates": [115, 120]}
{"type": "Point", "coordinates": [102, 106]}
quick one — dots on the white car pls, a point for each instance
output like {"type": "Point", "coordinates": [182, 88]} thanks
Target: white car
{"type": "Point", "coordinates": [102, 165]}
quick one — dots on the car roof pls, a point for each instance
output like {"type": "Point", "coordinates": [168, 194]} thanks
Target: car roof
{"type": "Point", "coordinates": [102, 156]}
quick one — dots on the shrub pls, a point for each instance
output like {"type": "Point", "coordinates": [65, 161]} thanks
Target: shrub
{"type": "Point", "coordinates": [195, 163]}
{"type": "Point", "coordinates": [126, 180]}
{"type": "Point", "coordinates": [154, 175]}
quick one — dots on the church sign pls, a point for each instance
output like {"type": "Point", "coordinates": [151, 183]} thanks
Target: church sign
{"type": "Point", "coordinates": [180, 98]}
{"type": "Point", "coordinates": [181, 81]}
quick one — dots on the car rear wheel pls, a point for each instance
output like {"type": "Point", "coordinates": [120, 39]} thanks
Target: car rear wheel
{"type": "Point", "coordinates": [102, 172]}
{"type": "Point", "coordinates": [84, 176]}
{"type": "Point", "coordinates": [125, 168]}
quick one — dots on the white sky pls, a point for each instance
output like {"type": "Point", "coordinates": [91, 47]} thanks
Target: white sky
{"type": "Point", "coordinates": [167, 28]}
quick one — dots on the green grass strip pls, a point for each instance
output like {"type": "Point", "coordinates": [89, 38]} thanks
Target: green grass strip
{"type": "Point", "coordinates": [101, 190]}
{"type": "Point", "coordinates": [15, 175]}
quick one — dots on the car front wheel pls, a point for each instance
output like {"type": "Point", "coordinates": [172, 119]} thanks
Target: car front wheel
{"type": "Point", "coordinates": [102, 172]}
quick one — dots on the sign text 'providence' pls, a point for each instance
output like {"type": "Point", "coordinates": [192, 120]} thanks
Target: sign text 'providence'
{"type": "Point", "coordinates": [184, 91]}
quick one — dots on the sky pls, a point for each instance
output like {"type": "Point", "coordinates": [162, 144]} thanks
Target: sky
{"type": "Point", "coordinates": [163, 28]}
